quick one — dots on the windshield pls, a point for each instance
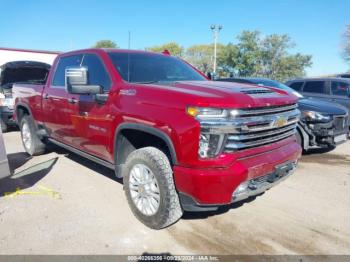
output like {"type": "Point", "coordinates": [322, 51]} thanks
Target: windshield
{"type": "Point", "coordinates": [272, 83]}
{"type": "Point", "coordinates": [151, 68]}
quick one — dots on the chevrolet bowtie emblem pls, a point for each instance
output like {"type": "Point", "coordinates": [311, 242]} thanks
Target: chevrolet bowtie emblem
{"type": "Point", "coordinates": [280, 122]}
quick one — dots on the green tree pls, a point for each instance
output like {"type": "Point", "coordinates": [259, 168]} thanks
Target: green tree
{"type": "Point", "coordinates": [227, 58]}
{"type": "Point", "coordinates": [248, 53]}
{"type": "Point", "coordinates": [105, 44]}
{"type": "Point", "coordinates": [268, 56]}
{"type": "Point", "coordinates": [202, 56]}
{"type": "Point", "coordinates": [174, 48]}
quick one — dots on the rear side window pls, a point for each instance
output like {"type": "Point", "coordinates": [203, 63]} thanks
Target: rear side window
{"type": "Point", "coordinates": [296, 86]}
{"type": "Point", "coordinates": [63, 63]}
{"type": "Point", "coordinates": [340, 88]}
{"type": "Point", "coordinates": [97, 72]}
{"type": "Point", "coordinates": [314, 87]}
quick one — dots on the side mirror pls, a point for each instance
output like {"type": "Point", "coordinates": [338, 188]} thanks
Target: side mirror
{"type": "Point", "coordinates": [77, 82]}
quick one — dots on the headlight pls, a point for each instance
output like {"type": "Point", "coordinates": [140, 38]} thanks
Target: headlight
{"type": "Point", "coordinates": [7, 102]}
{"type": "Point", "coordinates": [210, 144]}
{"type": "Point", "coordinates": [2, 99]}
{"type": "Point", "coordinates": [205, 113]}
{"type": "Point", "coordinates": [315, 116]}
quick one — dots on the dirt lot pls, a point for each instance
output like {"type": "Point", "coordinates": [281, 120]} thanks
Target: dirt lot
{"type": "Point", "coordinates": [67, 205]}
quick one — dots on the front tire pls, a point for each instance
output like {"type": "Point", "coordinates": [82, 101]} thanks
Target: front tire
{"type": "Point", "coordinates": [150, 189]}
{"type": "Point", "coordinates": [31, 142]}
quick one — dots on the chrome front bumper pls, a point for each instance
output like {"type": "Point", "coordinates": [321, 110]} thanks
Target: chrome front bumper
{"type": "Point", "coordinates": [259, 185]}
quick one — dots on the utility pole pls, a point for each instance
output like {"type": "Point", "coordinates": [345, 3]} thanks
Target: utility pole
{"type": "Point", "coordinates": [216, 31]}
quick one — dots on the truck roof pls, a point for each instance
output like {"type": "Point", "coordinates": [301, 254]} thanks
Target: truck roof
{"type": "Point", "coordinates": [111, 50]}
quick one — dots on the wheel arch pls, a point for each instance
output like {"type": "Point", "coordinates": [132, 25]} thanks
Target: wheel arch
{"type": "Point", "coordinates": [20, 110]}
{"type": "Point", "coordinates": [119, 140]}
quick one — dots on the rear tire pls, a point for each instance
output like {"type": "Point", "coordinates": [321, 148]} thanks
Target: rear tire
{"type": "Point", "coordinates": [31, 142]}
{"type": "Point", "coordinates": [4, 127]}
{"type": "Point", "coordinates": [150, 189]}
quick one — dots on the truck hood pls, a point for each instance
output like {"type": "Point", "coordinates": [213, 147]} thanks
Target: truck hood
{"type": "Point", "coordinates": [320, 106]}
{"type": "Point", "coordinates": [227, 94]}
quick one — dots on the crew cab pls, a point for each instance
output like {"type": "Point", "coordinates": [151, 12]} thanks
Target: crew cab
{"type": "Point", "coordinates": [179, 141]}
{"type": "Point", "coordinates": [322, 123]}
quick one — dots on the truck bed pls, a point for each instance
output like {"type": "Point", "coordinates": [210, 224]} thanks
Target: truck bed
{"type": "Point", "coordinates": [29, 94]}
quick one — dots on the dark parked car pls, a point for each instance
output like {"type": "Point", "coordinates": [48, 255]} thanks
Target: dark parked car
{"type": "Point", "coordinates": [344, 75]}
{"type": "Point", "coordinates": [14, 72]}
{"type": "Point", "coordinates": [322, 123]}
{"type": "Point", "coordinates": [329, 89]}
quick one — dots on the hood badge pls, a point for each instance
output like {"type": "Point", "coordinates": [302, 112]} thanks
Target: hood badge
{"type": "Point", "coordinates": [127, 92]}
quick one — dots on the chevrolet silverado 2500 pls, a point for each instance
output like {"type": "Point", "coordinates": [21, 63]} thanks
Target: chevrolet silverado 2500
{"type": "Point", "coordinates": [179, 141]}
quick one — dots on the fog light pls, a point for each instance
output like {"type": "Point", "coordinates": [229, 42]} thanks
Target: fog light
{"type": "Point", "coordinates": [210, 145]}
{"type": "Point", "coordinates": [203, 145]}
{"type": "Point", "coordinates": [241, 189]}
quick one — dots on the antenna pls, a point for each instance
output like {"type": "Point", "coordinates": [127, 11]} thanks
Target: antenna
{"type": "Point", "coordinates": [129, 40]}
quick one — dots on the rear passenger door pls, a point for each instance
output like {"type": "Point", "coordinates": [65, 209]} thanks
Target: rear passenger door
{"type": "Point", "coordinates": [55, 105]}
{"type": "Point", "coordinates": [317, 89]}
{"type": "Point", "coordinates": [339, 91]}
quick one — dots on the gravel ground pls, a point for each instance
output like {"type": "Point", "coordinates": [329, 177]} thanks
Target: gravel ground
{"type": "Point", "coordinates": [67, 205]}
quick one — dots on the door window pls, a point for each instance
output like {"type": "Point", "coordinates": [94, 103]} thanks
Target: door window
{"type": "Point", "coordinates": [340, 88]}
{"type": "Point", "coordinates": [97, 74]}
{"type": "Point", "coordinates": [314, 87]}
{"type": "Point", "coordinates": [63, 63]}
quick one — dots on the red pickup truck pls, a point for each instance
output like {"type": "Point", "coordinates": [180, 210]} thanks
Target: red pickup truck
{"type": "Point", "coordinates": [179, 141]}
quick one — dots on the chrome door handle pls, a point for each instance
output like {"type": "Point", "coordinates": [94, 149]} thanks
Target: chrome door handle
{"type": "Point", "coordinates": [72, 100]}
{"type": "Point", "coordinates": [46, 96]}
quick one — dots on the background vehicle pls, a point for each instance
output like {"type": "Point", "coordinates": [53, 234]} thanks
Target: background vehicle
{"type": "Point", "coordinates": [179, 141]}
{"type": "Point", "coordinates": [13, 72]}
{"type": "Point", "coordinates": [329, 89]}
{"type": "Point", "coordinates": [344, 75]}
{"type": "Point", "coordinates": [321, 124]}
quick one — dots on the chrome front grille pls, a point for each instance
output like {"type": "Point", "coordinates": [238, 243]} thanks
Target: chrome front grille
{"type": "Point", "coordinates": [267, 110]}
{"type": "Point", "coordinates": [252, 127]}
{"type": "Point", "coordinates": [263, 126]}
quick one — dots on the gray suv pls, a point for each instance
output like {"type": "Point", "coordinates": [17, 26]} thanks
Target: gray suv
{"type": "Point", "coordinates": [329, 89]}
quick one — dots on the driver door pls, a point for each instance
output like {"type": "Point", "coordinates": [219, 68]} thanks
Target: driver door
{"type": "Point", "coordinates": [90, 121]}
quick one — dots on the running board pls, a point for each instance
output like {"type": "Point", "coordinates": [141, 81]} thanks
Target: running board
{"type": "Point", "coordinates": [83, 154]}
